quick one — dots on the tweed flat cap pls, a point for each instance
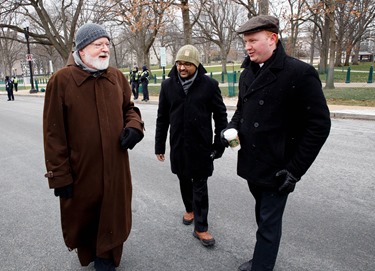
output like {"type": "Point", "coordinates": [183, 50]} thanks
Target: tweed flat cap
{"type": "Point", "coordinates": [259, 23]}
{"type": "Point", "coordinates": [88, 33]}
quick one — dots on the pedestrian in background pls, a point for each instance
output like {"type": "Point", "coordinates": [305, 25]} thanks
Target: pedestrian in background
{"type": "Point", "coordinates": [89, 123]}
{"type": "Point", "coordinates": [9, 88]}
{"type": "Point", "coordinates": [134, 81]}
{"type": "Point", "coordinates": [15, 83]}
{"type": "Point", "coordinates": [144, 81]}
{"type": "Point", "coordinates": [187, 103]}
{"type": "Point", "coordinates": [283, 121]}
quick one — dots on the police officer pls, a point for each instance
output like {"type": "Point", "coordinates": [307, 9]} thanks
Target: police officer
{"type": "Point", "coordinates": [134, 81]}
{"type": "Point", "coordinates": [144, 81]}
{"type": "Point", "coordinates": [15, 83]}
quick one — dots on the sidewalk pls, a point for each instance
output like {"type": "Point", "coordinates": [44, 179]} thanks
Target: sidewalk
{"type": "Point", "coordinates": [337, 111]}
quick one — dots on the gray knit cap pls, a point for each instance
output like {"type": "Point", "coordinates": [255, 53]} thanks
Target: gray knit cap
{"type": "Point", "coordinates": [88, 33]}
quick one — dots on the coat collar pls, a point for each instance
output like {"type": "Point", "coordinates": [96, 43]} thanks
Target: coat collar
{"type": "Point", "coordinates": [267, 76]}
{"type": "Point", "coordinates": [273, 62]}
{"type": "Point", "coordinates": [80, 76]}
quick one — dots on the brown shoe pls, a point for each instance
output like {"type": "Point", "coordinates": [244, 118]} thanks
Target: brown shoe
{"type": "Point", "coordinates": [205, 237]}
{"type": "Point", "coordinates": [188, 218]}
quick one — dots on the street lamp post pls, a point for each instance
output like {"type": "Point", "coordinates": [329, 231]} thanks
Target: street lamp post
{"type": "Point", "coordinates": [29, 57]}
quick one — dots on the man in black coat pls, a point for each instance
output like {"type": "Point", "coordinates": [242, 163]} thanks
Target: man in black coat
{"type": "Point", "coordinates": [187, 103]}
{"type": "Point", "coordinates": [282, 120]}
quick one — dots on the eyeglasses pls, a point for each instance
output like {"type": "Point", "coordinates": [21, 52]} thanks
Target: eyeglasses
{"type": "Point", "coordinates": [185, 64]}
{"type": "Point", "coordinates": [101, 45]}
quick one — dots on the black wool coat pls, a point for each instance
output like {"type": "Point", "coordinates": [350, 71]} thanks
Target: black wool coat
{"type": "Point", "coordinates": [189, 117]}
{"type": "Point", "coordinates": [282, 118]}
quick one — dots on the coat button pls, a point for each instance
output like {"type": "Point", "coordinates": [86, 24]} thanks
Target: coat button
{"type": "Point", "coordinates": [245, 100]}
{"type": "Point", "coordinates": [256, 124]}
{"type": "Point", "coordinates": [261, 102]}
{"type": "Point", "coordinates": [241, 120]}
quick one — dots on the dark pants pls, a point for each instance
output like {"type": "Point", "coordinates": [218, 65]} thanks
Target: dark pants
{"type": "Point", "coordinates": [15, 86]}
{"type": "Point", "coordinates": [135, 86]}
{"type": "Point", "coordinates": [194, 194]}
{"type": "Point", "coordinates": [269, 209]}
{"type": "Point", "coordinates": [145, 90]}
{"type": "Point", "coordinates": [10, 94]}
{"type": "Point", "coordinates": [86, 255]}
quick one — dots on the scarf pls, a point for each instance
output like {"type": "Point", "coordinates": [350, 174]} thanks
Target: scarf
{"type": "Point", "coordinates": [186, 84]}
{"type": "Point", "coordinates": [83, 66]}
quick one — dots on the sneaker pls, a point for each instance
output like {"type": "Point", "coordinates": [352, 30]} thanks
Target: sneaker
{"type": "Point", "coordinates": [188, 218]}
{"type": "Point", "coordinates": [205, 237]}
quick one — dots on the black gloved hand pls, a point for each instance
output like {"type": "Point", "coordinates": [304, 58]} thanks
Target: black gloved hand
{"type": "Point", "coordinates": [223, 141]}
{"type": "Point", "coordinates": [287, 180]}
{"type": "Point", "coordinates": [64, 192]}
{"type": "Point", "coordinates": [217, 150]}
{"type": "Point", "coordinates": [129, 138]}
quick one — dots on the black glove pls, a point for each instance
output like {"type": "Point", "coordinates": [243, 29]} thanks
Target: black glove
{"type": "Point", "coordinates": [213, 155]}
{"type": "Point", "coordinates": [287, 180]}
{"type": "Point", "coordinates": [129, 138]}
{"type": "Point", "coordinates": [224, 142]}
{"type": "Point", "coordinates": [64, 192]}
{"type": "Point", "coordinates": [217, 152]}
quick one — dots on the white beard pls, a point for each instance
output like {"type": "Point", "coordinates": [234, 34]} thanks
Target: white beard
{"type": "Point", "coordinates": [97, 62]}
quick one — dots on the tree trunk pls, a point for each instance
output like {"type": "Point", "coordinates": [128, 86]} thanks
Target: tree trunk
{"type": "Point", "coordinates": [348, 54]}
{"type": "Point", "coordinates": [263, 7]}
{"type": "Point", "coordinates": [312, 48]}
{"type": "Point", "coordinates": [186, 21]}
{"type": "Point", "coordinates": [332, 37]}
{"type": "Point", "coordinates": [324, 49]}
{"type": "Point", "coordinates": [355, 60]}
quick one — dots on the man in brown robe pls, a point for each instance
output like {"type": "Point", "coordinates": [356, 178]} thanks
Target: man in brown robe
{"type": "Point", "coordinates": [89, 123]}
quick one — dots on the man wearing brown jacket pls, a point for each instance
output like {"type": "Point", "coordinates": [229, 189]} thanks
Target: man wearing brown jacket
{"type": "Point", "coordinates": [89, 123]}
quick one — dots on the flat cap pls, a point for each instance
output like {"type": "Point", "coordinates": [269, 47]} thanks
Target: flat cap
{"type": "Point", "coordinates": [259, 23]}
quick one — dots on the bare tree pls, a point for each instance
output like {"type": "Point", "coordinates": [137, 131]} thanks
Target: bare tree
{"type": "Point", "coordinates": [142, 20]}
{"type": "Point", "coordinates": [295, 16]}
{"type": "Point", "coordinates": [250, 6]}
{"type": "Point", "coordinates": [363, 19]}
{"type": "Point", "coordinates": [9, 49]}
{"type": "Point", "coordinates": [52, 25]}
{"type": "Point", "coordinates": [217, 24]}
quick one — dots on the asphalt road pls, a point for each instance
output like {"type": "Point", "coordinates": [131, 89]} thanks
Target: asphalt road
{"type": "Point", "coordinates": [329, 222]}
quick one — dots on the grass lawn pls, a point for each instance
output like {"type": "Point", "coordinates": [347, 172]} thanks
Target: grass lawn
{"type": "Point", "coordinates": [351, 96]}
{"type": "Point", "coordinates": [340, 96]}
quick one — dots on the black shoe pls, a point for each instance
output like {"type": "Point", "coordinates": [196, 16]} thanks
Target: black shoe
{"type": "Point", "coordinates": [246, 266]}
{"type": "Point", "coordinates": [101, 264]}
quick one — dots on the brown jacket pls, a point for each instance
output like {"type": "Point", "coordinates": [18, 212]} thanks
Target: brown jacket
{"type": "Point", "coordinates": [82, 121]}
